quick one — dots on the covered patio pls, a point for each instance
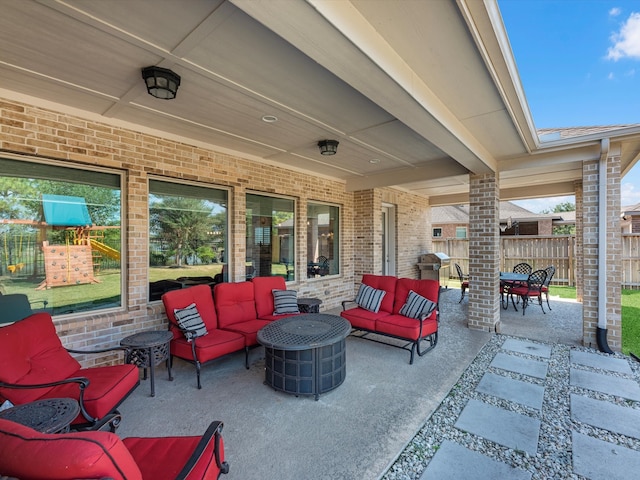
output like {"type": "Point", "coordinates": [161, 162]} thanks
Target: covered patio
{"type": "Point", "coordinates": [356, 431]}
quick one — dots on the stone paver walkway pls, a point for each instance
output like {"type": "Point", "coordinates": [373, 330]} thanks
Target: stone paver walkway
{"type": "Point", "coordinates": [592, 457]}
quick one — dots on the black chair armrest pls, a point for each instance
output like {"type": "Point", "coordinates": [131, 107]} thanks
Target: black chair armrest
{"type": "Point", "coordinates": [100, 350]}
{"type": "Point", "coordinates": [345, 302]}
{"type": "Point", "coordinates": [213, 434]}
{"type": "Point", "coordinates": [82, 382]}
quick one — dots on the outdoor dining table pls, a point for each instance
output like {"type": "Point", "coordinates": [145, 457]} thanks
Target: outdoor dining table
{"type": "Point", "coordinates": [507, 280]}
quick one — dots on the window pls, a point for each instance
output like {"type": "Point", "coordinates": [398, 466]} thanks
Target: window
{"type": "Point", "coordinates": [437, 232]}
{"type": "Point", "coordinates": [461, 232]}
{"type": "Point", "coordinates": [270, 237]}
{"type": "Point", "coordinates": [323, 240]}
{"type": "Point", "coordinates": [188, 227]}
{"type": "Point", "coordinates": [61, 227]}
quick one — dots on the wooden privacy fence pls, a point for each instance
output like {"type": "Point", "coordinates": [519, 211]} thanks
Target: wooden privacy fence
{"type": "Point", "coordinates": [541, 251]}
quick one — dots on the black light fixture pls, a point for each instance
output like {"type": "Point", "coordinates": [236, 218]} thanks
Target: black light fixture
{"type": "Point", "coordinates": [161, 82]}
{"type": "Point", "coordinates": [328, 147]}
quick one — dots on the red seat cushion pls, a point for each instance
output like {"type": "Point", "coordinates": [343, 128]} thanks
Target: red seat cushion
{"type": "Point", "coordinates": [263, 293]}
{"type": "Point", "coordinates": [213, 345]}
{"type": "Point", "coordinates": [427, 288]}
{"type": "Point", "coordinates": [405, 327]}
{"type": "Point", "coordinates": [198, 294]}
{"type": "Point", "coordinates": [386, 283]}
{"type": "Point", "coordinates": [147, 451]}
{"type": "Point", "coordinates": [31, 352]}
{"type": "Point", "coordinates": [30, 455]}
{"type": "Point", "coordinates": [235, 303]}
{"type": "Point", "coordinates": [358, 317]}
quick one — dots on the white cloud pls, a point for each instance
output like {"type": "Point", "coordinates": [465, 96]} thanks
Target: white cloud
{"type": "Point", "coordinates": [614, 12]}
{"type": "Point", "coordinates": [626, 42]}
{"type": "Point", "coordinates": [628, 194]}
{"type": "Point", "coordinates": [611, 76]}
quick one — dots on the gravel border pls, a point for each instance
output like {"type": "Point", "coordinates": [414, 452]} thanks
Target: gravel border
{"type": "Point", "coordinates": [553, 459]}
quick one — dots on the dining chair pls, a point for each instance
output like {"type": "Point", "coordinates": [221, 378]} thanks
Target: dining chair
{"type": "Point", "coordinates": [531, 289]}
{"type": "Point", "coordinates": [551, 271]}
{"type": "Point", "coordinates": [464, 281]}
{"type": "Point", "coordinates": [523, 268]}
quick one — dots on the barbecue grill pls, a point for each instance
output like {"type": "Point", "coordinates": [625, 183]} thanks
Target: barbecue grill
{"type": "Point", "coordinates": [434, 266]}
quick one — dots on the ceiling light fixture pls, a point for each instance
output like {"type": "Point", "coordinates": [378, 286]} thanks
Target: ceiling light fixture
{"type": "Point", "coordinates": [328, 147]}
{"type": "Point", "coordinates": [161, 82]}
{"type": "Point", "coordinates": [269, 118]}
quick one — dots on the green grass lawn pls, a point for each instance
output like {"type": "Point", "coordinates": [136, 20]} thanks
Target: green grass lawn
{"type": "Point", "coordinates": [631, 322]}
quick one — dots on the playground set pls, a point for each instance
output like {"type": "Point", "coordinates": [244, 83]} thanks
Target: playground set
{"type": "Point", "coordinates": [73, 263]}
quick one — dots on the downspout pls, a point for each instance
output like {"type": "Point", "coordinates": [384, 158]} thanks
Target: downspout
{"type": "Point", "coordinates": [601, 333]}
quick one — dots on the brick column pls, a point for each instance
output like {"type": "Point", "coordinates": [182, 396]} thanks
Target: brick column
{"type": "Point", "coordinates": [484, 258]}
{"type": "Point", "coordinates": [578, 254]}
{"type": "Point", "coordinates": [591, 273]}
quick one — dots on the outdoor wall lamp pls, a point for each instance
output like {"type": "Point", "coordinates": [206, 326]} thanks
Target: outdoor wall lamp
{"type": "Point", "coordinates": [161, 82]}
{"type": "Point", "coordinates": [328, 147]}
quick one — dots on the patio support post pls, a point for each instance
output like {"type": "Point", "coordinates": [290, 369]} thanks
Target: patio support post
{"type": "Point", "coordinates": [484, 255]}
{"type": "Point", "coordinates": [602, 246]}
{"type": "Point", "coordinates": [579, 250]}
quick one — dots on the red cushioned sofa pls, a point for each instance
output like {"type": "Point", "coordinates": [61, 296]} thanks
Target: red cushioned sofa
{"type": "Point", "coordinates": [233, 315]}
{"type": "Point", "coordinates": [30, 455]}
{"type": "Point", "coordinates": [388, 320]}
{"type": "Point", "coordinates": [35, 365]}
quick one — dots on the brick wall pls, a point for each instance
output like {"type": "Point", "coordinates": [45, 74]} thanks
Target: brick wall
{"type": "Point", "coordinates": [35, 132]}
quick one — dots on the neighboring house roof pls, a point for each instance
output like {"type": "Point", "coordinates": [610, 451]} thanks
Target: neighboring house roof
{"type": "Point", "coordinates": [631, 210]}
{"type": "Point", "coordinates": [459, 214]}
{"type": "Point", "coordinates": [549, 134]}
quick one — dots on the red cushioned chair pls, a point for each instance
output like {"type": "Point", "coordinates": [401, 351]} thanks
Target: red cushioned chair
{"type": "Point", "coordinates": [30, 455]}
{"type": "Point", "coordinates": [416, 331]}
{"type": "Point", "coordinates": [206, 348]}
{"type": "Point", "coordinates": [36, 366]}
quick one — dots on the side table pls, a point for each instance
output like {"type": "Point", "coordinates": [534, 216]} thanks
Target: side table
{"type": "Point", "coordinates": [148, 349]}
{"type": "Point", "coordinates": [309, 305]}
{"type": "Point", "coordinates": [51, 415]}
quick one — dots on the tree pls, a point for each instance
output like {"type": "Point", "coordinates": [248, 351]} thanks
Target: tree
{"type": "Point", "coordinates": [182, 223]}
{"type": "Point", "coordinates": [563, 229]}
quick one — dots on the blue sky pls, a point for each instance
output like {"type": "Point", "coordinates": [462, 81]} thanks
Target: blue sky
{"type": "Point", "coordinates": [579, 64]}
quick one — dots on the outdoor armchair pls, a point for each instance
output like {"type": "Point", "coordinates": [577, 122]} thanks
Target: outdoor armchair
{"type": "Point", "coordinates": [27, 454]}
{"type": "Point", "coordinates": [551, 271]}
{"type": "Point", "coordinates": [36, 366]}
{"type": "Point", "coordinates": [16, 306]}
{"type": "Point", "coordinates": [193, 344]}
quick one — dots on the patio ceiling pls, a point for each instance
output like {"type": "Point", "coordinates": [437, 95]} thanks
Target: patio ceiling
{"type": "Point", "coordinates": [418, 94]}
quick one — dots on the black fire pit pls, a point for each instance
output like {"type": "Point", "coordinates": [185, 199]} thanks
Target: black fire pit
{"type": "Point", "coordinates": [305, 354]}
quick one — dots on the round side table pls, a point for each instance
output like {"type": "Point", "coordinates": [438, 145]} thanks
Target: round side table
{"type": "Point", "coordinates": [51, 415]}
{"type": "Point", "coordinates": [148, 349]}
{"type": "Point", "coordinates": [309, 305]}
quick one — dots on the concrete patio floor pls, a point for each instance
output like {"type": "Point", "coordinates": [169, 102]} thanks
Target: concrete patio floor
{"type": "Point", "coordinates": [353, 432]}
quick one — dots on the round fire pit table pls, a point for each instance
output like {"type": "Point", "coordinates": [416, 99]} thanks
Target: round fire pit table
{"type": "Point", "coordinates": [305, 354]}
